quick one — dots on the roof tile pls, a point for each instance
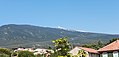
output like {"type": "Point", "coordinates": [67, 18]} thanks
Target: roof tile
{"type": "Point", "coordinates": [89, 50]}
{"type": "Point", "coordinates": [113, 46]}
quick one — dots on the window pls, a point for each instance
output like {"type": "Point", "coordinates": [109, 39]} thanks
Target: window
{"type": "Point", "coordinates": [115, 54]}
{"type": "Point", "coordinates": [105, 54]}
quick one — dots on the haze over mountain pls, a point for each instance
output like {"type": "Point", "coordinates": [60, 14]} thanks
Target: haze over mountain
{"type": "Point", "coordinates": [13, 35]}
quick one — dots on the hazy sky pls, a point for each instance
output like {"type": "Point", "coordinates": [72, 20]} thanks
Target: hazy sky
{"type": "Point", "coordinates": [85, 15]}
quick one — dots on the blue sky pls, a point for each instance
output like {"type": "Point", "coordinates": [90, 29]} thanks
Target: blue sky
{"type": "Point", "coordinates": [100, 16]}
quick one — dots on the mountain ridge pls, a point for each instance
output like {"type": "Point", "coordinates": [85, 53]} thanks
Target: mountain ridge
{"type": "Point", "coordinates": [13, 35]}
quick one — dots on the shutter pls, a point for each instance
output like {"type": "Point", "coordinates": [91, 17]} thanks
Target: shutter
{"type": "Point", "coordinates": [110, 54]}
{"type": "Point", "coordinates": [100, 55]}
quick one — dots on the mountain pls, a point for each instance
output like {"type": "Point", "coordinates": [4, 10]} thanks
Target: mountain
{"type": "Point", "coordinates": [13, 35]}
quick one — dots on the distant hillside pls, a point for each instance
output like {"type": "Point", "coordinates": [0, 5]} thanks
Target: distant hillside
{"type": "Point", "coordinates": [28, 35]}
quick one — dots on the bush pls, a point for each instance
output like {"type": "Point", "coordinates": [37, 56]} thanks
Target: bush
{"type": "Point", "coordinates": [39, 55]}
{"type": "Point", "coordinates": [4, 55]}
{"type": "Point", "coordinates": [14, 53]}
{"type": "Point", "coordinates": [5, 52]}
{"type": "Point", "coordinates": [25, 54]}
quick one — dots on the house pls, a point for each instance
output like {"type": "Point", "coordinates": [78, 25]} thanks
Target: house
{"type": "Point", "coordinates": [35, 51]}
{"type": "Point", "coordinates": [111, 50]}
{"type": "Point", "coordinates": [42, 51]}
{"type": "Point", "coordinates": [90, 52]}
{"type": "Point", "coordinates": [24, 49]}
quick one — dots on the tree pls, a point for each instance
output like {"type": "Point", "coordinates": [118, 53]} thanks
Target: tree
{"type": "Point", "coordinates": [14, 53]}
{"type": "Point", "coordinates": [99, 45]}
{"type": "Point", "coordinates": [5, 52]}
{"type": "Point", "coordinates": [62, 46]}
{"type": "Point", "coordinates": [82, 53]}
{"type": "Point", "coordinates": [25, 54]}
{"type": "Point", "coordinates": [112, 40]}
{"type": "Point", "coordinates": [4, 55]}
{"type": "Point", "coordinates": [94, 46]}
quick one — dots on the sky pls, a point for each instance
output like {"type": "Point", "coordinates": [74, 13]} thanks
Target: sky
{"type": "Point", "coordinates": [101, 16]}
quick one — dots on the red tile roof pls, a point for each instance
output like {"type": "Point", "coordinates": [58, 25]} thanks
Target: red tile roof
{"type": "Point", "coordinates": [111, 47]}
{"type": "Point", "coordinates": [89, 50]}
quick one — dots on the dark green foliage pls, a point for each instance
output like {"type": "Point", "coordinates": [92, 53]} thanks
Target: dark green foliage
{"type": "Point", "coordinates": [14, 53]}
{"type": "Point", "coordinates": [25, 54]}
{"type": "Point", "coordinates": [5, 52]}
{"type": "Point", "coordinates": [40, 55]}
{"type": "Point", "coordinates": [49, 47]}
{"type": "Point", "coordinates": [54, 54]}
{"type": "Point", "coordinates": [94, 46]}
{"type": "Point", "coordinates": [4, 55]}
{"type": "Point", "coordinates": [112, 40]}
{"type": "Point", "coordinates": [99, 44]}
{"type": "Point", "coordinates": [90, 46]}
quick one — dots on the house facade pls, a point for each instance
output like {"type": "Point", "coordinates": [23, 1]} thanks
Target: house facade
{"type": "Point", "coordinates": [111, 50]}
{"type": "Point", "coordinates": [89, 52]}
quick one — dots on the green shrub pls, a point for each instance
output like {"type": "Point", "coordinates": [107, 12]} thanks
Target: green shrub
{"type": "Point", "coordinates": [14, 53]}
{"type": "Point", "coordinates": [39, 55]}
{"type": "Point", "coordinates": [25, 54]}
{"type": "Point", "coordinates": [4, 55]}
{"type": "Point", "coordinates": [5, 52]}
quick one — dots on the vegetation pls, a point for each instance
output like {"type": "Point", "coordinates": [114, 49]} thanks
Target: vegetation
{"type": "Point", "coordinates": [25, 54]}
{"type": "Point", "coordinates": [62, 46]}
{"type": "Point", "coordinates": [4, 55]}
{"type": "Point", "coordinates": [94, 46]}
{"type": "Point", "coordinates": [5, 52]}
{"type": "Point", "coordinates": [112, 40]}
{"type": "Point", "coordinates": [99, 44]}
{"type": "Point", "coordinates": [82, 53]}
{"type": "Point", "coordinates": [23, 34]}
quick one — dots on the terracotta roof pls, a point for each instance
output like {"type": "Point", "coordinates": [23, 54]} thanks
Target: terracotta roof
{"type": "Point", "coordinates": [113, 46]}
{"type": "Point", "coordinates": [89, 50]}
